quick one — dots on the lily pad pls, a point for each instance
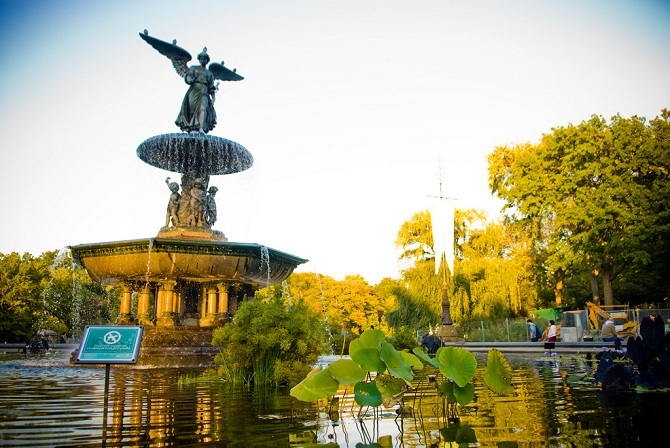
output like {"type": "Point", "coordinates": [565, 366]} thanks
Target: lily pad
{"type": "Point", "coordinates": [457, 364]}
{"type": "Point", "coordinates": [367, 394]}
{"type": "Point", "coordinates": [498, 374]}
{"type": "Point", "coordinates": [394, 362]}
{"type": "Point", "coordinates": [347, 372]}
{"type": "Point", "coordinates": [366, 351]}
{"type": "Point", "coordinates": [318, 384]}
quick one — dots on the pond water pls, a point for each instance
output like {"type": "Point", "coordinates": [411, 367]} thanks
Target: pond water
{"type": "Point", "coordinates": [45, 401]}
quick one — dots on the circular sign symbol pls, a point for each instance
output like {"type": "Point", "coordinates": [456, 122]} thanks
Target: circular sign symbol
{"type": "Point", "coordinates": [111, 337]}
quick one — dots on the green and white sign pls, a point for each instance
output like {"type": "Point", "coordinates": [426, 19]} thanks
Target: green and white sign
{"type": "Point", "coordinates": [107, 344]}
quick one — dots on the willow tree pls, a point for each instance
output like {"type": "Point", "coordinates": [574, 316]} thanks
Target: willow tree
{"type": "Point", "coordinates": [491, 271]}
{"type": "Point", "coordinates": [422, 294]}
{"type": "Point", "coordinates": [590, 194]}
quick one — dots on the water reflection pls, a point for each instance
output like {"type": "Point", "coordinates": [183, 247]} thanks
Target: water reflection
{"type": "Point", "coordinates": [44, 401]}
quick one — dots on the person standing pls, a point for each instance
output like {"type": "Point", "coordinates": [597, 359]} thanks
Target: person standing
{"type": "Point", "coordinates": [534, 330]}
{"type": "Point", "coordinates": [551, 334]}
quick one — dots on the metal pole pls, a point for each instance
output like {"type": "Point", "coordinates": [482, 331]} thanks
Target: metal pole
{"type": "Point", "coordinates": [483, 334]}
{"type": "Point", "coordinates": [104, 408]}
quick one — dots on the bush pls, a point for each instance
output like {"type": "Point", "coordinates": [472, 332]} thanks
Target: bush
{"type": "Point", "coordinates": [269, 343]}
{"type": "Point", "coordinates": [403, 338]}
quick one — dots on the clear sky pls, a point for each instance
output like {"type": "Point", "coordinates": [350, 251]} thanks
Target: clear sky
{"type": "Point", "coordinates": [349, 108]}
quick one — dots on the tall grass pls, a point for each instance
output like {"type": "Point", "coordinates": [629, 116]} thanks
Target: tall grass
{"type": "Point", "coordinates": [264, 368]}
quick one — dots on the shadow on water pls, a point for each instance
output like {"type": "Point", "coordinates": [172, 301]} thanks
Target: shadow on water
{"type": "Point", "coordinates": [45, 401]}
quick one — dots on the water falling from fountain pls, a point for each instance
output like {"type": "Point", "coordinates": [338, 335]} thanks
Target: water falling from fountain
{"type": "Point", "coordinates": [146, 278]}
{"type": "Point", "coordinates": [286, 292]}
{"type": "Point", "coordinates": [265, 260]}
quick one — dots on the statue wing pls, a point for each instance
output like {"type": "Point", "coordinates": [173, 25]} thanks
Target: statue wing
{"type": "Point", "coordinates": [177, 55]}
{"type": "Point", "coordinates": [224, 74]}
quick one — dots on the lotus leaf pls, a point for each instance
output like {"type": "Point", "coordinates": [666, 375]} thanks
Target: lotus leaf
{"type": "Point", "coordinates": [457, 364]}
{"type": "Point", "coordinates": [498, 374]}
{"type": "Point", "coordinates": [367, 394]}
{"type": "Point", "coordinates": [424, 356]}
{"type": "Point", "coordinates": [412, 360]}
{"type": "Point", "coordinates": [317, 385]}
{"type": "Point", "coordinates": [365, 351]}
{"type": "Point", "coordinates": [391, 388]}
{"type": "Point", "coordinates": [464, 395]}
{"type": "Point", "coordinates": [346, 371]}
{"type": "Point", "coordinates": [394, 362]}
{"type": "Point", "coordinates": [446, 390]}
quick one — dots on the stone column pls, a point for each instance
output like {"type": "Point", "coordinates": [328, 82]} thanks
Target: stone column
{"type": "Point", "coordinates": [143, 306]}
{"type": "Point", "coordinates": [210, 319]}
{"type": "Point", "coordinates": [223, 299]}
{"type": "Point", "coordinates": [178, 302]}
{"type": "Point", "coordinates": [125, 317]}
{"type": "Point", "coordinates": [165, 316]}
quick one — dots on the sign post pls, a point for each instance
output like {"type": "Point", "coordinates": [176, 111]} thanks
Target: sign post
{"type": "Point", "coordinates": [108, 344]}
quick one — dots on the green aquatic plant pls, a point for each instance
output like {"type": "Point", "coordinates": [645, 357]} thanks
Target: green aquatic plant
{"type": "Point", "coordinates": [381, 375]}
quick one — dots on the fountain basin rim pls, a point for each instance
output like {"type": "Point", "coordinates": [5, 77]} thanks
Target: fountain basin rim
{"type": "Point", "coordinates": [200, 261]}
{"type": "Point", "coordinates": [157, 244]}
{"type": "Point", "coordinates": [201, 153]}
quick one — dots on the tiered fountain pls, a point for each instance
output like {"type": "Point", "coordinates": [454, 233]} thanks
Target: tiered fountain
{"type": "Point", "coordinates": [189, 278]}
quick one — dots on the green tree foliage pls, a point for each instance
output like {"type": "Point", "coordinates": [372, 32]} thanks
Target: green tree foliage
{"type": "Point", "coordinates": [351, 300]}
{"type": "Point", "coordinates": [269, 342]}
{"type": "Point", "coordinates": [493, 270]}
{"type": "Point", "coordinates": [592, 197]}
{"type": "Point", "coordinates": [419, 300]}
{"type": "Point", "coordinates": [49, 293]}
{"type": "Point", "coordinates": [21, 302]}
{"type": "Point", "coordinates": [492, 279]}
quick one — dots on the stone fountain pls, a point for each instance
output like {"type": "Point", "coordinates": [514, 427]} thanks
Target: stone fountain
{"type": "Point", "coordinates": [189, 278]}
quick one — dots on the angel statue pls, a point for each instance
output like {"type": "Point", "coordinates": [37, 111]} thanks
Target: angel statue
{"type": "Point", "coordinates": [197, 112]}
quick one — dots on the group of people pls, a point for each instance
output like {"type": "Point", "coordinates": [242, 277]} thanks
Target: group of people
{"type": "Point", "coordinates": [536, 334]}
{"type": "Point", "coordinates": [608, 332]}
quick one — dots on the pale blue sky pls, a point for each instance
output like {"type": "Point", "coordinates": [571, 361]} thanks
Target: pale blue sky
{"type": "Point", "coordinates": [347, 108]}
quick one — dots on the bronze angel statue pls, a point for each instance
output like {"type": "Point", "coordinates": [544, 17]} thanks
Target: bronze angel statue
{"type": "Point", "coordinates": [197, 110]}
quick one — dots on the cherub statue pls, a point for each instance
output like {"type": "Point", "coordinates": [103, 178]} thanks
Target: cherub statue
{"type": "Point", "coordinates": [197, 112]}
{"type": "Point", "coordinates": [173, 204]}
{"type": "Point", "coordinates": [197, 205]}
{"type": "Point", "coordinates": [210, 207]}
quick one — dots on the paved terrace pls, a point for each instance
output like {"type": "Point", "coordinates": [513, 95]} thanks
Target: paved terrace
{"type": "Point", "coordinates": [536, 347]}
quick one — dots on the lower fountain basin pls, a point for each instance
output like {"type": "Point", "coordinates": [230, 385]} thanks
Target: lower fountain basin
{"type": "Point", "coordinates": [156, 259]}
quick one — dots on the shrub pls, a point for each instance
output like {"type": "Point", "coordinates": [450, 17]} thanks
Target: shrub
{"type": "Point", "coordinates": [403, 338]}
{"type": "Point", "coordinates": [269, 343]}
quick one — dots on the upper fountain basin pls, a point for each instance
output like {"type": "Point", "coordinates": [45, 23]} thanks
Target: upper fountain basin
{"type": "Point", "coordinates": [195, 152]}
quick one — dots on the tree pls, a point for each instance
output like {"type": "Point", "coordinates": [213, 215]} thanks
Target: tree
{"type": "Point", "coordinates": [352, 300]}
{"type": "Point", "coordinates": [21, 302]}
{"type": "Point", "coordinates": [419, 304]}
{"type": "Point", "coordinates": [406, 310]}
{"type": "Point", "coordinates": [49, 293]}
{"type": "Point", "coordinates": [587, 195]}
{"type": "Point", "coordinates": [493, 270]}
